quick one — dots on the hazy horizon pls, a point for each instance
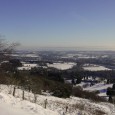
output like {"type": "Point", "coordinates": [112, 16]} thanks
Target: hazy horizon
{"type": "Point", "coordinates": [65, 49]}
{"type": "Point", "coordinates": [82, 24]}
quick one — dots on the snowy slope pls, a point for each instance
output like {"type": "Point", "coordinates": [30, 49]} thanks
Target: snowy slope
{"type": "Point", "coordinates": [100, 87]}
{"type": "Point", "coordinates": [10, 105]}
{"type": "Point", "coordinates": [6, 109]}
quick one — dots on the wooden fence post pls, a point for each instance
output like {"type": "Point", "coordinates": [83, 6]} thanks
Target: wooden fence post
{"type": "Point", "coordinates": [23, 95]}
{"type": "Point", "coordinates": [35, 98]}
{"type": "Point", "coordinates": [14, 91]}
{"type": "Point", "coordinates": [66, 109]}
{"type": "Point", "coordinates": [45, 103]}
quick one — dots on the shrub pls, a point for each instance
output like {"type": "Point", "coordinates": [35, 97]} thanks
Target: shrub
{"type": "Point", "coordinates": [79, 92]}
{"type": "Point", "coordinates": [62, 91]}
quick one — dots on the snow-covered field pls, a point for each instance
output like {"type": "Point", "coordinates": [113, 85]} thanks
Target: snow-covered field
{"type": "Point", "coordinates": [10, 105]}
{"type": "Point", "coordinates": [95, 68]}
{"type": "Point", "coordinates": [79, 56]}
{"type": "Point", "coordinates": [25, 55]}
{"type": "Point", "coordinates": [26, 66]}
{"type": "Point", "coordinates": [100, 87]}
{"type": "Point", "coordinates": [61, 66]}
{"type": "Point", "coordinates": [87, 57]}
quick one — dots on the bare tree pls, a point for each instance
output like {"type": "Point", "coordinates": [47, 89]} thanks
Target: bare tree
{"type": "Point", "coordinates": [6, 50]}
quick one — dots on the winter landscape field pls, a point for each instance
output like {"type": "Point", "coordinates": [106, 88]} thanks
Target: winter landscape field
{"type": "Point", "coordinates": [57, 57]}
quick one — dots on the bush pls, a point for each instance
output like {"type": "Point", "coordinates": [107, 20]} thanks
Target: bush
{"type": "Point", "coordinates": [62, 91]}
{"type": "Point", "coordinates": [79, 92]}
{"type": "Point", "coordinates": [113, 86]}
{"type": "Point", "coordinates": [109, 91]}
{"type": "Point", "coordinates": [37, 83]}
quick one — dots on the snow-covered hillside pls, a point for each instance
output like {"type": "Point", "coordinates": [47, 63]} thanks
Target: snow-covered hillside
{"type": "Point", "coordinates": [10, 105]}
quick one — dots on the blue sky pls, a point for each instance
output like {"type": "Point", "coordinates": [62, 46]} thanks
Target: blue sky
{"type": "Point", "coordinates": [59, 23]}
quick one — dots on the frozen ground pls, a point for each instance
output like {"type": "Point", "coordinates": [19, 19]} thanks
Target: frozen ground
{"type": "Point", "coordinates": [10, 105]}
